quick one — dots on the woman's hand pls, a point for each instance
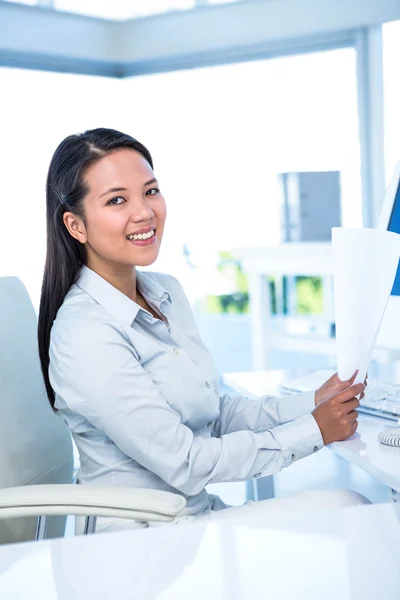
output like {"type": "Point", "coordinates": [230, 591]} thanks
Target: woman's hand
{"type": "Point", "coordinates": [337, 416]}
{"type": "Point", "coordinates": [334, 386]}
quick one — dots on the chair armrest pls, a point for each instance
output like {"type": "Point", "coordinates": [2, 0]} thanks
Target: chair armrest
{"type": "Point", "coordinates": [90, 500]}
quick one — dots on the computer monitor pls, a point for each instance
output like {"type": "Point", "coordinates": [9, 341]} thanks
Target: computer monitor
{"type": "Point", "coordinates": [389, 334]}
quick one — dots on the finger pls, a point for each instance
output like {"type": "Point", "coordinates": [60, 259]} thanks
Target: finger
{"type": "Point", "coordinates": [342, 385]}
{"type": "Point", "coordinates": [335, 380]}
{"type": "Point", "coordinates": [351, 405]}
{"type": "Point", "coordinates": [353, 378]}
{"type": "Point", "coordinates": [348, 394]}
{"type": "Point", "coordinates": [354, 426]}
{"type": "Point", "coordinates": [353, 415]}
{"type": "Point", "coordinates": [362, 396]}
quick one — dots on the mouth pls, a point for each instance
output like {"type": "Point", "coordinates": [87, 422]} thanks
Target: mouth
{"type": "Point", "coordinates": [145, 238]}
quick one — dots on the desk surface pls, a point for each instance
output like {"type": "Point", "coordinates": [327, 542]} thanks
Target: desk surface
{"type": "Point", "coordinates": [338, 554]}
{"type": "Point", "coordinates": [362, 449]}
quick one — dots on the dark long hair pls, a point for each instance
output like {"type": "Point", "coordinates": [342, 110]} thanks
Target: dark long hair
{"type": "Point", "coordinates": [65, 191]}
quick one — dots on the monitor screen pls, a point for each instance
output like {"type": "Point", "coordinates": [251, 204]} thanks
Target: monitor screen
{"type": "Point", "coordinates": [394, 225]}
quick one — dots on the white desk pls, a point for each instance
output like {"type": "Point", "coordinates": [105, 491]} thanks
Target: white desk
{"type": "Point", "coordinates": [338, 554]}
{"type": "Point", "coordinates": [363, 449]}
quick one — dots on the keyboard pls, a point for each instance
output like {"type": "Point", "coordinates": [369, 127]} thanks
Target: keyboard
{"type": "Point", "coordinates": [382, 399]}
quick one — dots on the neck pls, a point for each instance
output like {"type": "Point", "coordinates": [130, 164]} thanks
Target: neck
{"type": "Point", "coordinates": [122, 277]}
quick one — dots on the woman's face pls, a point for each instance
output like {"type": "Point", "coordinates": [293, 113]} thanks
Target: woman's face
{"type": "Point", "coordinates": [123, 201]}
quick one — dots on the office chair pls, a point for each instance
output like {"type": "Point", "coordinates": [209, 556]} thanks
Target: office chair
{"type": "Point", "coordinates": [36, 454]}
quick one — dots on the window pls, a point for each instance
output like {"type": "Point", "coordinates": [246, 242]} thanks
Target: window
{"type": "Point", "coordinates": [31, 2]}
{"type": "Point", "coordinates": [220, 1]}
{"type": "Point", "coordinates": [32, 125]}
{"type": "Point", "coordinates": [391, 50]}
{"type": "Point", "coordinates": [224, 133]}
{"type": "Point", "coordinates": [122, 9]}
{"type": "Point", "coordinates": [218, 136]}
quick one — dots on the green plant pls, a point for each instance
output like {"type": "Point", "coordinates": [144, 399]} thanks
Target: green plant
{"type": "Point", "coordinates": [309, 295]}
{"type": "Point", "coordinates": [238, 300]}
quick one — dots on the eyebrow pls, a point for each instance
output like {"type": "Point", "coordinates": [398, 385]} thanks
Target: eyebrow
{"type": "Point", "coordinates": [122, 189]}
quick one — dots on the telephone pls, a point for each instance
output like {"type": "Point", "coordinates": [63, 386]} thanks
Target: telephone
{"type": "Point", "coordinates": [390, 437]}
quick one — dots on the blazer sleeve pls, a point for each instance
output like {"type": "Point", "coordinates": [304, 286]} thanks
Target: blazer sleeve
{"type": "Point", "coordinates": [259, 414]}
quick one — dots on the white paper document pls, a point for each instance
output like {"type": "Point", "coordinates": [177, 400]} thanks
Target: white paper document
{"type": "Point", "coordinates": [365, 263]}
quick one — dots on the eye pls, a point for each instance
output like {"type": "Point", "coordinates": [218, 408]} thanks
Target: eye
{"type": "Point", "coordinates": [152, 191]}
{"type": "Point", "coordinates": [114, 202]}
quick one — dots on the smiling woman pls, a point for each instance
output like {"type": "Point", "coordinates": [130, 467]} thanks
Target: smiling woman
{"type": "Point", "coordinates": [122, 224]}
{"type": "Point", "coordinates": [121, 356]}
{"type": "Point", "coordinates": [88, 224]}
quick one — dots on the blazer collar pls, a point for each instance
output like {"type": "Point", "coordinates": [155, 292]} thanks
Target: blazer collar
{"type": "Point", "coordinates": [115, 302]}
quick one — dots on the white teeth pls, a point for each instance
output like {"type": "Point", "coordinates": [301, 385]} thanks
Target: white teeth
{"type": "Point", "coordinates": [142, 236]}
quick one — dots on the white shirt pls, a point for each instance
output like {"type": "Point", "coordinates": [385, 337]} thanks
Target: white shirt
{"type": "Point", "coordinates": [141, 397]}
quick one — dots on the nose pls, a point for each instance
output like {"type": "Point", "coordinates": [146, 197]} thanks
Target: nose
{"type": "Point", "coordinates": [141, 211]}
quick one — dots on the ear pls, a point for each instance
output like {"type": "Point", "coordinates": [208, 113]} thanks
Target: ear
{"type": "Point", "coordinates": [75, 227]}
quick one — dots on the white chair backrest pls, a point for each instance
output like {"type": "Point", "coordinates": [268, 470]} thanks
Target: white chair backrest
{"type": "Point", "coordinates": [35, 444]}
